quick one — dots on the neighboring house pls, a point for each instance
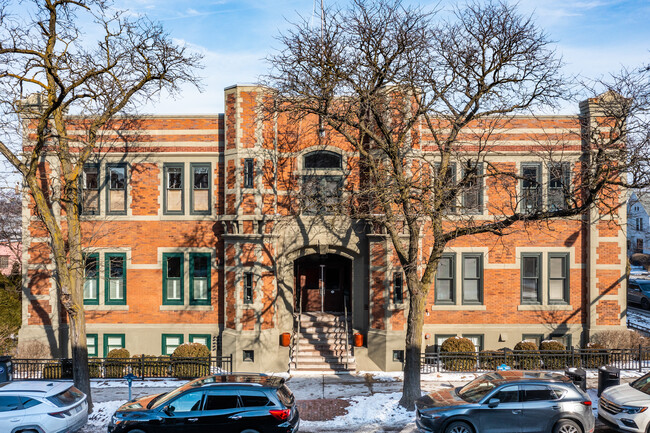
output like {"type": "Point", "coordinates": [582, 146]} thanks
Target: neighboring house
{"type": "Point", "coordinates": [638, 223]}
{"type": "Point", "coordinates": [195, 244]}
{"type": "Point", "coordinates": [10, 258]}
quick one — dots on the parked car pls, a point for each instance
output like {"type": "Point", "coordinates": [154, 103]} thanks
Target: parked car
{"type": "Point", "coordinates": [42, 406]}
{"type": "Point", "coordinates": [625, 407]}
{"type": "Point", "coordinates": [638, 292]}
{"type": "Point", "coordinates": [508, 401]}
{"type": "Point", "coordinates": [234, 403]}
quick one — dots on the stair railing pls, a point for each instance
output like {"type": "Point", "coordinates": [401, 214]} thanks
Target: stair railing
{"type": "Point", "coordinates": [296, 340]}
{"type": "Point", "coordinates": [347, 335]}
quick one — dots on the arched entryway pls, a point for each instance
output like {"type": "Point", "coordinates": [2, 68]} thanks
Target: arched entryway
{"type": "Point", "coordinates": [322, 282]}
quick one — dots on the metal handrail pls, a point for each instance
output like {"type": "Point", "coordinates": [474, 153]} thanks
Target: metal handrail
{"type": "Point", "coordinates": [347, 335]}
{"type": "Point", "coordinates": [297, 333]}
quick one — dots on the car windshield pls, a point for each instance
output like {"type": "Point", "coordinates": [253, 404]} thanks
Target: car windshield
{"type": "Point", "coordinates": [164, 398]}
{"type": "Point", "coordinates": [644, 285]}
{"type": "Point", "coordinates": [479, 387]}
{"type": "Point", "coordinates": [67, 397]}
{"type": "Point", "coordinates": [642, 384]}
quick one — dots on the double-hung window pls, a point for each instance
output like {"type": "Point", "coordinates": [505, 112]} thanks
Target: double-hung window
{"type": "Point", "coordinates": [531, 292]}
{"type": "Point", "coordinates": [90, 191]}
{"type": "Point", "coordinates": [170, 342]}
{"type": "Point", "coordinates": [173, 180]}
{"type": "Point", "coordinates": [116, 191]}
{"type": "Point", "coordinates": [200, 278]}
{"type": "Point", "coordinates": [91, 279]}
{"type": "Point", "coordinates": [115, 281]}
{"type": "Point", "coordinates": [558, 278]}
{"type": "Point", "coordinates": [531, 192]}
{"type": "Point", "coordinates": [321, 187]}
{"type": "Point", "coordinates": [204, 339]}
{"type": "Point", "coordinates": [473, 190]}
{"type": "Point", "coordinates": [639, 224]}
{"type": "Point", "coordinates": [472, 278]}
{"type": "Point", "coordinates": [445, 287]}
{"type": "Point", "coordinates": [200, 200]}
{"type": "Point", "coordinates": [173, 277]}
{"type": "Point", "coordinates": [91, 344]}
{"type": "Point", "coordinates": [398, 287]}
{"type": "Point", "coordinates": [248, 287]}
{"type": "Point", "coordinates": [112, 342]}
{"type": "Point", "coordinates": [249, 173]}
{"type": "Point", "coordinates": [559, 184]}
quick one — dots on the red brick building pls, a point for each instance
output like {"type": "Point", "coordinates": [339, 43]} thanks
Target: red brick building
{"type": "Point", "coordinates": [193, 235]}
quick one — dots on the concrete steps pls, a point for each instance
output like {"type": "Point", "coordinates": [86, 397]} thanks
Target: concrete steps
{"type": "Point", "coordinates": [320, 345]}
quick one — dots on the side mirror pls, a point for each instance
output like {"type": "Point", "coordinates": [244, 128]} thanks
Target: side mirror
{"type": "Point", "coordinates": [169, 410]}
{"type": "Point", "coordinates": [493, 402]}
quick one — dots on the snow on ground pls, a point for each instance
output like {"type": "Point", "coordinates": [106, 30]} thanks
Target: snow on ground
{"type": "Point", "coordinates": [137, 383]}
{"type": "Point", "coordinates": [637, 318]}
{"type": "Point", "coordinates": [102, 413]}
{"type": "Point", "coordinates": [593, 396]}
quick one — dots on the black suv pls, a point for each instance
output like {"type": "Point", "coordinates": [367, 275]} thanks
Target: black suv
{"type": "Point", "coordinates": [233, 403]}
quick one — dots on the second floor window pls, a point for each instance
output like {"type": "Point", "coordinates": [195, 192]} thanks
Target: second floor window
{"type": "Point", "coordinates": [173, 199]}
{"type": "Point", "coordinates": [473, 191]}
{"type": "Point", "coordinates": [116, 189]}
{"type": "Point", "coordinates": [531, 193]}
{"type": "Point", "coordinates": [322, 184]}
{"type": "Point", "coordinates": [249, 173]}
{"type": "Point", "coordinates": [639, 224]}
{"type": "Point", "coordinates": [530, 279]}
{"type": "Point", "coordinates": [200, 278]}
{"type": "Point", "coordinates": [398, 287]}
{"type": "Point", "coordinates": [445, 287]}
{"type": "Point", "coordinates": [248, 287]}
{"type": "Point", "coordinates": [173, 278]}
{"type": "Point", "coordinates": [559, 184]}
{"type": "Point", "coordinates": [472, 278]}
{"type": "Point", "coordinates": [90, 190]}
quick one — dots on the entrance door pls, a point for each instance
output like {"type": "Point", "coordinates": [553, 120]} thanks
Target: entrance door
{"type": "Point", "coordinates": [323, 282]}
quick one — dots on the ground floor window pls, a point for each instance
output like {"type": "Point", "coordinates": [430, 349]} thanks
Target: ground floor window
{"type": "Point", "coordinates": [113, 341]}
{"type": "Point", "coordinates": [91, 344]}
{"type": "Point", "coordinates": [170, 342]}
{"type": "Point", "coordinates": [476, 339]}
{"type": "Point", "coordinates": [204, 339]}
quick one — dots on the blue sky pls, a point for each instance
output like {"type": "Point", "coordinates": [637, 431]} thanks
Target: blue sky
{"type": "Point", "coordinates": [594, 37]}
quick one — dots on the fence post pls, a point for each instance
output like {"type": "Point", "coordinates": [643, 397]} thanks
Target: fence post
{"type": "Point", "coordinates": [640, 357]}
{"type": "Point", "coordinates": [438, 358]}
{"type": "Point", "coordinates": [505, 356]}
{"type": "Point", "coordinates": [573, 357]}
{"type": "Point", "coordinates": [142, 366]}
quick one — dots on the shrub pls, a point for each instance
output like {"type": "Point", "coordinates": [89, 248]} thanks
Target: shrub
{"type": "Point", "coordinates": [529, 360]}
{"type": "Point", "coordinates": [186, 367]}
{"type": "Point", "coordinates": [594, 355]}
{"type": "Point", "coordinates": [116, 363]}
{"type": "Point", "coordinates": [554, 355]}
{"type": "Point", "coordinates": [154, 366]}
{"type": "Point", "coordinates": [491, 359]}
{"type": "Point", "coordinates": [619, 339]}
{"type": "Point", "coordinates": [459, 361]}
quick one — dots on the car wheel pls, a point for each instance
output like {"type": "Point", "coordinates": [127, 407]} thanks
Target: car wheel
{"type": "Point", "coordinates": [136, 431]}
{"type": "Point", "coordinates": [567, 426]}
{"type": "Point", "coordinates": [645, 304]}
{"type": "Point", "coordinates": [249, 431]}
{"type": "Point", "coordinates": [458, 427]}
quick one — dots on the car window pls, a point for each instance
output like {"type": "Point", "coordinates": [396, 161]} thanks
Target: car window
{"type": "Point", "coordinates": [67, 397]}
{"type": "Point", "coordinates": [557, 393]}
{"type": "Point", "coordinates": [477, 389]}
{"type": "Point", "coordinates": [537, 393]}
{"type": "Point", "coordinates": [508, 394]}
{"type": "Point", "coordinates": [285, 395]}
{"type": "Point", "coordinates": [635, 288]}
{"type": "Point", "coordinates": [9, 403]}
{"type": "Point", "coordinates": [642, 384]}
{"type": "Point", "coordinates": [187, 402]}
{"type": "Point", "coordinates": [29, 402]}
{"type": "Point", "coordinates": [219, 400]}
{"type": "Point", "coordinates": [253, 398]}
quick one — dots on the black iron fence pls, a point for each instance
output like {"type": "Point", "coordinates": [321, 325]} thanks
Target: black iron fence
{"type": "Point", "coordinates": [143, 367]}
{"type": "Point", "coordinates": [624, 359]}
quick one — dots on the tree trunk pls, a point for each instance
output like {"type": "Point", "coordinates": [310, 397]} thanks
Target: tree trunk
{"type": "Point", "coordinates": [413, 351]}
{"type": "Point", "coordinates": [80, 371]}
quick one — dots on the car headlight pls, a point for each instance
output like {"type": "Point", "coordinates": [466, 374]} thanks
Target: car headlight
{"type": "Point", "coordinates": [631, 410]}
{"type": "Point", "coordinates": [115, 420]}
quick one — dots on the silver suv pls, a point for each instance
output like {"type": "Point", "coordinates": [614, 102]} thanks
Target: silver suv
{"type": "Point", "coordinates": [508, 401]}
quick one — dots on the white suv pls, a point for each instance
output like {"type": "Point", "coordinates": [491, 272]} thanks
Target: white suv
{"type": "Point", "coordinates": [42, 406]}
{"type": "Point", "coordinates": [625, 407]}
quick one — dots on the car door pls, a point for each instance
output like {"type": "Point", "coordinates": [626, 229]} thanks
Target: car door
{"type": "Point", "coordinates": [182, 414]}
{"type": "Point", "coordinates": [12, 413]}
{"type": "Point", "coordinates": [633, 293]}
{"type": "Point", "coordinates": [540, 408]}
{"type": "Point", "coordinates": [222, 411]}
{"type": "Point", "coordinates": [503, 417]}
{"type": "Point", "coordinates": [257, 405]}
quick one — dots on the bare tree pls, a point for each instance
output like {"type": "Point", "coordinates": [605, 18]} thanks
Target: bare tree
{"type": "Point", "coordinates": [60, 58]}
{"type": "Point", "coordinates": [419, 100]}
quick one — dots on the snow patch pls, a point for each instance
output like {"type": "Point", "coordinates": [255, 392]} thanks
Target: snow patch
{"type": "Point", "coordinates": [102, 413]}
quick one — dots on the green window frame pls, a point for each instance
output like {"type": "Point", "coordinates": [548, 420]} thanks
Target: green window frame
{"type": "Point", "coordinates": [176, 281]}
{"type": "Point", "coordinates": [174, 185]}
{"type": "Point", "coordinates": [201, 186]}
{"type": "Point", "coordinates": [445, 276]}
{"type": "Point", "coordinates": [440, 338]}
{"type": "Point", "coordinates": [472, 278]}
{"type": "Point", "coordinates": [108, 347]}
{"type": "Point", "coordinates": [203, 339]}
{"type": "Point", "coordinates": [562, 338]}
{"type": "Point", "coordinates": [166, 346]}
{"type": "Point", "coordinates": [113, 277]}
{"type": "Point", "coordinates": [90, 202]}
{"type": "Point", "coordinates": [531, 278]}
{"type": "Point", "coordinates": [92, 344]}
{"type": "Point", "coordinates": [558, 278]}
{"type": "Point", "coordinates": [475, 338]}
{"type": "Point", "coordinates": [90, 299]}
{"type": "Point", "coordinates": [200, 279]}
{"type": "Point", "coordinates": [116, 188]}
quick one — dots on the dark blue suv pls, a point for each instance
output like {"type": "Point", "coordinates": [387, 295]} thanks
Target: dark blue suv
{"type": "Point", "coordinates": [234, 403]}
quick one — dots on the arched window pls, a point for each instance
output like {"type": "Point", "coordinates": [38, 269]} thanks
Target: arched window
{"type": "Point", "coordinates": [322, 159]}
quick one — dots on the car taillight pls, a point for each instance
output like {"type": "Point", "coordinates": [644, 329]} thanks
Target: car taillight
{"type": "Point", "coordinates": [280, 415]}
{"type": "Point", "coordinates": [61, 414]}
{"type": "Point", "coordinates": [587, 402]}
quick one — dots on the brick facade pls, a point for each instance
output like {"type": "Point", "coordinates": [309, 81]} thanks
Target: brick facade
{"type": "Point", "coordinates": [255, 247]}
